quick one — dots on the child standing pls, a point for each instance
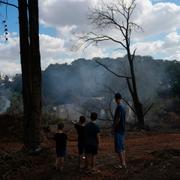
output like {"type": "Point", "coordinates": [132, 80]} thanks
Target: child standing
{"type": "Point", "coordinates": [61, 142]}
{"type": "Point", "coordinates": [81, 138]}
{"type": "Point", "coordinates": [92, 140]}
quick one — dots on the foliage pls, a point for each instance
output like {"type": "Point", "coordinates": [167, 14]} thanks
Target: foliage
{"type": "Point", "coordinates": [174, 73]}
{"type": "Point", "coordinates": [16, 84]}
{"type": "Point", "coordinates": [49, 117]}
{"type": "Point", "coordinates": [16, 106]}
{"type": "Point", "coordinates": [83, 78]}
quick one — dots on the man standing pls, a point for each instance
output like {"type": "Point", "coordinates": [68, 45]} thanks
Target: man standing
{"type": "Point", "coordinates": [119, 130]}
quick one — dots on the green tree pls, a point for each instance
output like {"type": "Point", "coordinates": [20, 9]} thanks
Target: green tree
{"type": "Point", "coordinates": [174, 78]}
{"type": "Point", "coordinates": [16, 106]}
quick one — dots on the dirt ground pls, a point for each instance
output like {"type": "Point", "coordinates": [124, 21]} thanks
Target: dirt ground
{"type": "Point", "coordinates": [149, 156]}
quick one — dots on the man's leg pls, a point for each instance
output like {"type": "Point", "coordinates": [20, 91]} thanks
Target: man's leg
{"type": "Point", "coordinates": [123, 154]}
{"type": "Point", "coordinates": [122, 158]}
{"type": "Point", "coordinates": [87, 162]}
{"type": "Point", "coordinates": [57, 163]}
{"type": "Point", "coordinates": [93, 162]}
{"type": "Point", "coordinates": [120, 148]}
{"type": "Point", "coordinates": [81, 160]}
{"type": "Point", "coordinates": [61, 159]}
{"type": "Point", "coordinates": [81, 155]}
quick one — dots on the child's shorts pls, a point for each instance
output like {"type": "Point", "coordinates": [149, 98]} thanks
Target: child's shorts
{"type": "Point", "coordinates": [119, 142]}
{"type": "Point", "coordinates": [81, 148]}
{"type": "Point", "coordinates": [61, 152]}
{"type": "Point", "coordinates": [91, 149]}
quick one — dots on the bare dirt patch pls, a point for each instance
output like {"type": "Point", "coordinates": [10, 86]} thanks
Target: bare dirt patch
{"type": "Point", "coordinates": [149, 156]}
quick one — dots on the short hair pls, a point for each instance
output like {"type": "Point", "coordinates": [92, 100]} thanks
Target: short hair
{"type": "Point", "coordinates": [60, 126]}
{"type": "Point", "coordinates": [93, 116]}
{"type": "Point", "coordinates": [118, 96]}
{"type": "Point", "coordinates": [82, 119]}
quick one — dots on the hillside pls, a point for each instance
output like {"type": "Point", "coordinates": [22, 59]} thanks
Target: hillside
{"type": "Point", "coordinates": [64, 83]}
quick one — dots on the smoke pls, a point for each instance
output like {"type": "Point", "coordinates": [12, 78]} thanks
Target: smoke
{"type": "Point", "coordinates": [5, 93]}
{"type": "Point", "coordinates": [88, 86]}
{"type": "Point", "coordinates": [5, 104]}
{"type": "Point", "coordinates": [84, 80]}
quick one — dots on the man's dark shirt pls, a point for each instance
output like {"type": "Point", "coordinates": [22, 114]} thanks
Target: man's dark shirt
{"type": "Point", "coordinates": [80, 132]}
{"type": "Point", "coordinates": [61, 140]}
{"type": "Point", "coordinates": [91, 131]}
{"type": "Point", "coordinates": [119, 119]}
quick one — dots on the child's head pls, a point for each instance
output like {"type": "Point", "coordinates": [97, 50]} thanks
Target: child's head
{"type": "Point", "coordinates": [82, 119]}
{"type": "Point", "coordinates": [60, 126]}
{"type": "Point", "coordinates": [118, 98]}
{"type": "Point", "coordinates": [93, 116]}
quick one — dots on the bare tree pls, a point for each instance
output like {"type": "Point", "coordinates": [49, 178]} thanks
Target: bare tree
{"type": "Point", "coordinates": [118, 16]}
{"type": "Point", "coordinates": [31, 69]}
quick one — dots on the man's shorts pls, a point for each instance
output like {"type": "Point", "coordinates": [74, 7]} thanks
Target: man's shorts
{"type": "Point", "coordinates": [81, 148]}
{"type": "Point", "coordinates": [119, 142]}
{"type": "Point", "coordinates": [91, 149]}
{"type": "Point", "coordinates": [61, 152]}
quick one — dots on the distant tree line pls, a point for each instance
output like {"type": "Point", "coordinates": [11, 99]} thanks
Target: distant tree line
{"type": "Point", "coordinates": [63, 83]}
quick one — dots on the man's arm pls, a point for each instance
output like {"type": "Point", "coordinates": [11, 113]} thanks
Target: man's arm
{"type": "Point", "coordinates": [75, 124]}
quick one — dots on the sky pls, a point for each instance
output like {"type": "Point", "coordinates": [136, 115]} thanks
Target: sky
{"type": "Point", "coordinates": [62, 21]}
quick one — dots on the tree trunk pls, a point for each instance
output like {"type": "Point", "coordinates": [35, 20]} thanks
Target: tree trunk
{"type": "Point", "coordinates": [25, 68]}
{"type": "Point", "coordinates": [140, 115]}
{"type": "Point", "coordinates": [137, 104]}
{"type": "Point", "coordinates": [31, 72]}
{"type": "Point", "coordinates": [36, 70]}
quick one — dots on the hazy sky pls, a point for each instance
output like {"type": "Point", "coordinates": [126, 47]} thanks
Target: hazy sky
{"type": "Point", "coordinates": [61, 20]}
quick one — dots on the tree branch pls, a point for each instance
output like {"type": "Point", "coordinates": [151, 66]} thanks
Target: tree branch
{"type": "Point", "coordinates": [103, 18]}
{"type": "Point", "coordinates": [108, 69]}
{"type": "Point", "coordinates": [111, 90]}
{"type": "Point", "coordinates": [129, 86]}
{"type": "Point", "coordinates": [110, 110]}
{"type": "Point", "coordinates": [133, 56]}
{"type": "Point", "coordinates": [129, 105]}
{"type": "Point", "coordinates": [148, 109]}
{"type": "Point", "coordinates": [98, 38]}
{"type": "Point", "coordinates": [9, 4]}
